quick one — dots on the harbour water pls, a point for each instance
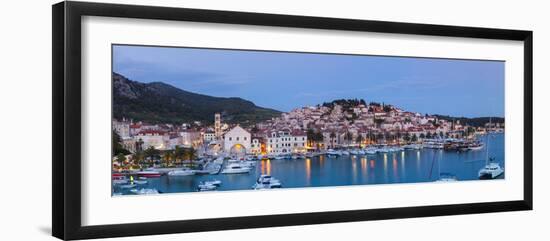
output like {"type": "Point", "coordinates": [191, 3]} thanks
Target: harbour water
{"type": "Point", "coordinates": [409, 166]}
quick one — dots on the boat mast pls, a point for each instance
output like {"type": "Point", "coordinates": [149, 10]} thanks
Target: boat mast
{"type": "Point", "coordinates": [487, 145]}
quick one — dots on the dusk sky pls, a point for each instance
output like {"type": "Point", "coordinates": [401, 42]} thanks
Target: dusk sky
{"type": "Point", "coordinates": [284, 81]}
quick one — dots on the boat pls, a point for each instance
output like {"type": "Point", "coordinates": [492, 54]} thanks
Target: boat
{"type": "Point", "coordinates": [140, 182]}
{"type": "Point", "coordinates": [412, 147]}
{"type": "Point", "coordinates": [213, 168]}
{"type": "Point", "coordinates": [476, 146]}
{"type": "Point", "coordinates": [202, 187]}
{"type": "Point", "coordinates": [266, 182]}
{"type": "Point", "coordinates": [354, 152]}
{"type": "Point", "coordinates": [219, 160]}
{"type": "Point", "coordinates": [345, 153]}
{"type": "Point", "coordinates": [148, 173]}
{"type": "Point", "coordinates": [202, 172]}
{"type": "Point", "coordinates": [236, 168]}
{"type": "Point", "coordinates": [145, 191]}
{"type": "Point", "coordinates": [127, 186]}
{"type": "Point", "coordinates": [492, 169]}
{"type": "Point", "coordinates": [333, 153]}
{"type": "Point", "coordinates": [446, 177]}
{"type": "Point", "coordinates": [182, 172]}
{"type": "Point", "coordinates": [214, 182]}
{"type": "Point", "coordinates": [279, 157]}
{"type": "Point", "coordinates": [309, 155]}
{"type": "Point", "coordinates": [370, 151]}
{"type": "Point", "coordinates": [118, 180]}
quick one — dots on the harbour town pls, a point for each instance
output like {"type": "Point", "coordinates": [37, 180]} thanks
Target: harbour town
{"type": "Point", "coordinates": [337, 143]}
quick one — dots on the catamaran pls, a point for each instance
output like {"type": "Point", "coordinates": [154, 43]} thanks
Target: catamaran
{"type": "Point", "coordinates": [492, 169]}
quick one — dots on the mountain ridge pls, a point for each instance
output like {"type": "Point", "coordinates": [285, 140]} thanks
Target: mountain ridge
{"type": "Point", "coordinates": [158, 102]}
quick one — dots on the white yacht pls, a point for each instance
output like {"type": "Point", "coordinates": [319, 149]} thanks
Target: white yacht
{"type": "Point", "coordinates": [214, 182]}
{"type": "Point", "coordinates": [412, 147]}
{"type": "Point", "coordinates": [182, 172]}
{"type": "Point", "coordinates": [145, 191]}
{"type": "Point", "coordinates": [266, 182]}
{"type": "Point", "coordinates": [333, 153]}
{"type": "Point", "coordinates": [202, 187]}
{"type": "Point", "coordinates": [370, 151]}
{"type": "Point", "coordinates": [236, 168]}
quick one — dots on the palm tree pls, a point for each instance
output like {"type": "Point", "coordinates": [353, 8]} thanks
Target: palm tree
{"type": "Point", "coordinates": [167, 157]}
{"type": "Point", "coordinates": [414, 138]}
{"type": "Point", "coordinates": [178, 154]}
{"type": "Point", "coordinates": [359, 139]}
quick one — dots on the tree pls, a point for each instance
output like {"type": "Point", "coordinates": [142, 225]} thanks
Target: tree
{"type": "Point", "coordinates": [189, 154]}
{"type": "Point", "coordinates": [407, 137]}
{"type": "Point", "coordinates": [178, 154]}
{"type": "Point", "coordinates": [120, 158]}
{"type": "Point", "coordinates": [441, 134]}
{"type": "Point", "coordinates": [359, 139]}
{"type": "Point", "coordinates": [422, 136]}
{"type": "Point", "coordinates": [414, 138]}
{"type": "Point", "coordinates": [117, 145]}
{"type": "Point", "coordinates": [167, 157]}
{"type": "Point", "coordinates": [151, 153]}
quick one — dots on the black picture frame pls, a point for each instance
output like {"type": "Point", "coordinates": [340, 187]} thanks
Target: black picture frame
{"type": "Point", "coordinates": [66, 75]}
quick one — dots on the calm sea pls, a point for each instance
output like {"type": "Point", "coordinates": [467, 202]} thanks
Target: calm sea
{"type": "Point", "coordinates": [408, 166]}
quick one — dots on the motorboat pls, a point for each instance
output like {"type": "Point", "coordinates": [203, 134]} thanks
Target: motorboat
{"type": "Point", "coordinates": [412, 147]}
{"type": "Point", "coordinates": [236, 168]}
{"type": "Point", "coordinates": [370, 151]}
{"type": "Point", "coordinates": [206, 186]}
{"type": "Point", "coordinates": [140, 182]}
{"type": "Point", "coordinates": [145, 191]}
{"type": "Point", "coordinates": [266, 182]}
{"type": "Point", "coordinates": [345, 153]}
{"type": "Point", "coordinates": [279, 157]}
{"type": "Point", "coordinates": [333, 153]}
{"type": "Point", "coordinates": [126, 186]}
{"type": "Point", "coordinates": [476, 146]}
{"type": "Point", "coordinates": [214, 182]}
{"type": "Point", "coordinates": [182, 172]}
{"type": "Point", "coordinates": [446, 177]}
{"type": "Point", "coordinates": [118, 180]}
{"type": "Point", "coordinates": [148, 173]}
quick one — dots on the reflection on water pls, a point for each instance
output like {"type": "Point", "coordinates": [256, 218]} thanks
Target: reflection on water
{"type": "Point", "coordinates": [406, 167]}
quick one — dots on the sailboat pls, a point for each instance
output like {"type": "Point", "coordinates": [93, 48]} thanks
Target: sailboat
{"type": "Point", "coordinates": [492, 169]}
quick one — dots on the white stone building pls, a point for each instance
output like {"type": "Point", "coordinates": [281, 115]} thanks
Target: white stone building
{"type": "Point", "coordinates": [122, 128]}
{"type": "Point", "coordinates": [237, 140]}
{"type": "Point", "coordinates": [283, 142]}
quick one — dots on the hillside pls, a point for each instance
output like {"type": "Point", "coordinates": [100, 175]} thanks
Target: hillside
{"type": "Point", "coordinates": [162, 103]}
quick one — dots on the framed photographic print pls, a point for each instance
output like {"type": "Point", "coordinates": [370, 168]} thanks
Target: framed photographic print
{"type": "Point", "coordinates": [170, 120]}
